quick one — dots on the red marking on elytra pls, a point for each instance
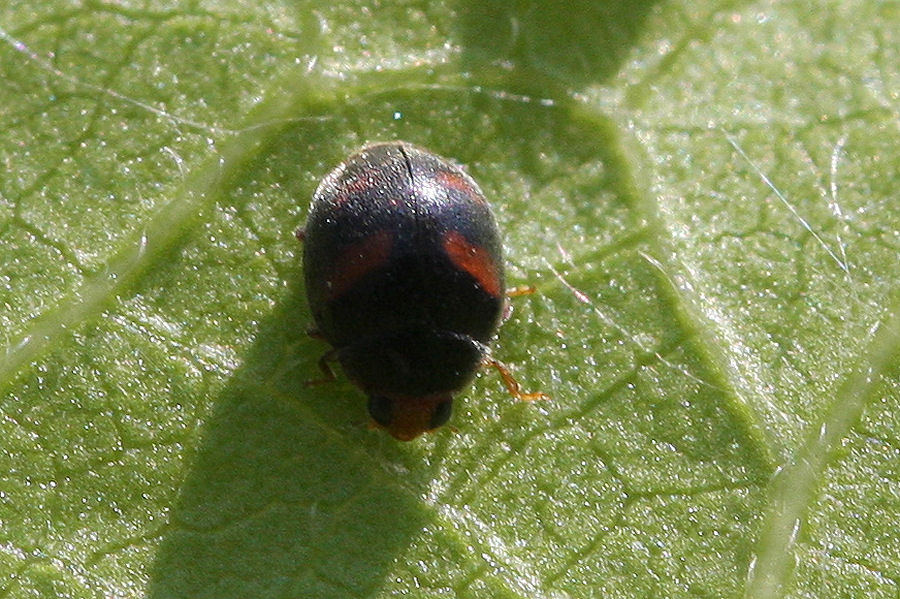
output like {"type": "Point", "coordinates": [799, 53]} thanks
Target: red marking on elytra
{"type": "Point", "coordinates": [359, 259]}
{"type": "Point", "coordinates": [475, 260]}
{"type": "Point", "coordinates": [460, 183]}
{"type": "Point", "coordinates": [352, 186]}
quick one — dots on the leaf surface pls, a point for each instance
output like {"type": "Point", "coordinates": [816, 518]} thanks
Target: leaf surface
{"type": "Point", "coordinates": [703, 194]}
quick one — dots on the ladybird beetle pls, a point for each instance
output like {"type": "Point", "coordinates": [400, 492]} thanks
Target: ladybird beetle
{"type": "Point", "coordinates": [404, 277]}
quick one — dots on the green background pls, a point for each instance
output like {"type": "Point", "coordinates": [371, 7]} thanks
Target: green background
{"type": "Point", "coordinates": [703, 193]}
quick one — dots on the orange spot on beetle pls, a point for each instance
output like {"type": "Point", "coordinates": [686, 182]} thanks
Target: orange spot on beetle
{"type": "Point", "coordinates": [475, 260]}
{"type": "Point", "coordinates": [412, 416]}
{"type": "Point", "coordinates": [357, 260]}
{"type": "Point", "coordinates": [460, 183]}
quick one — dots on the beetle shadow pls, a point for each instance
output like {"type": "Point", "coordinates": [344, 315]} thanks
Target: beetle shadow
{"type": "Point", "coordinates": [289, 493]}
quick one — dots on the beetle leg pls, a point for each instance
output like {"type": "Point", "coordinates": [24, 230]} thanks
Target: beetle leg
{"type": "Point", "coordinates": [512, 385]}
{"type": "Point", "coordinates": [521, 290]}
{"type": "Point", "coordinates": [515, 292]}
{"type": "Point", "coordinates": [300, 234]}
{"type": "Point", "coordinates": [328, 375]}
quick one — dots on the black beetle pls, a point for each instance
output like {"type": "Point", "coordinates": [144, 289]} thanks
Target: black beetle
{"type": "Point", "coordinates": [404, 276]}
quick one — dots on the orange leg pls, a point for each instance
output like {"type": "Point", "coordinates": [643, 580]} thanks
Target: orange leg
{"type": "Point", "coordinates": [521, 290]}
{"type": "Point", "coordinates": [515, 292]}
{"type": "Point", "coordinates": [512, 385]}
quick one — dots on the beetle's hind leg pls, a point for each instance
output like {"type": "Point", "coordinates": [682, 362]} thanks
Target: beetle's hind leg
{"type": "Point", "coordinates": [512, 385]}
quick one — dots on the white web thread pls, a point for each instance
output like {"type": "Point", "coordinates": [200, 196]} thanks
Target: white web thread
{"type": "Point", "coordinates": [833, 198]}
{"type": "Point", "coordinates": [610, 322]}
{"type": "Point", "coordinates": [47, 66]}
{"type": "Point", "coordinates": [793, 210]}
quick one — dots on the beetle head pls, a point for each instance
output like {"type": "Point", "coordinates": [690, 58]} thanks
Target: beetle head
{"type": "Point", "coordinates": [405, 418]}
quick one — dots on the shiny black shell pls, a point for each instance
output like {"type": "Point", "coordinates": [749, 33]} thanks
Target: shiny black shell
{"type": "Point", "coordinates": [404, 276]}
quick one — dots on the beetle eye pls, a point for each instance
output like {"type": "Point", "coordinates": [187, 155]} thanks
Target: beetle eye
{"type": "Point", "coordinates": [441, 414]}
{"type": "Point", "coordinates": [381, 409]}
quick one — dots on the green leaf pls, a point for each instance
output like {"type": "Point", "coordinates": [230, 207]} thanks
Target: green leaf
{"type": "Point", "coordinates": [703, 195]}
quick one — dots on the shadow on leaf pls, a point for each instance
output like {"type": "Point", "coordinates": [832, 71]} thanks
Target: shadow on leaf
{"type": "Point", "coordinates": [282, 500]}
{"type": "Point", "coordinates": [572, 44]}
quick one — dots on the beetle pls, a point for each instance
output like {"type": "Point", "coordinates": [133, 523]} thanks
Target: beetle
{"type": "Point", "coordinates": [404, 276]}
